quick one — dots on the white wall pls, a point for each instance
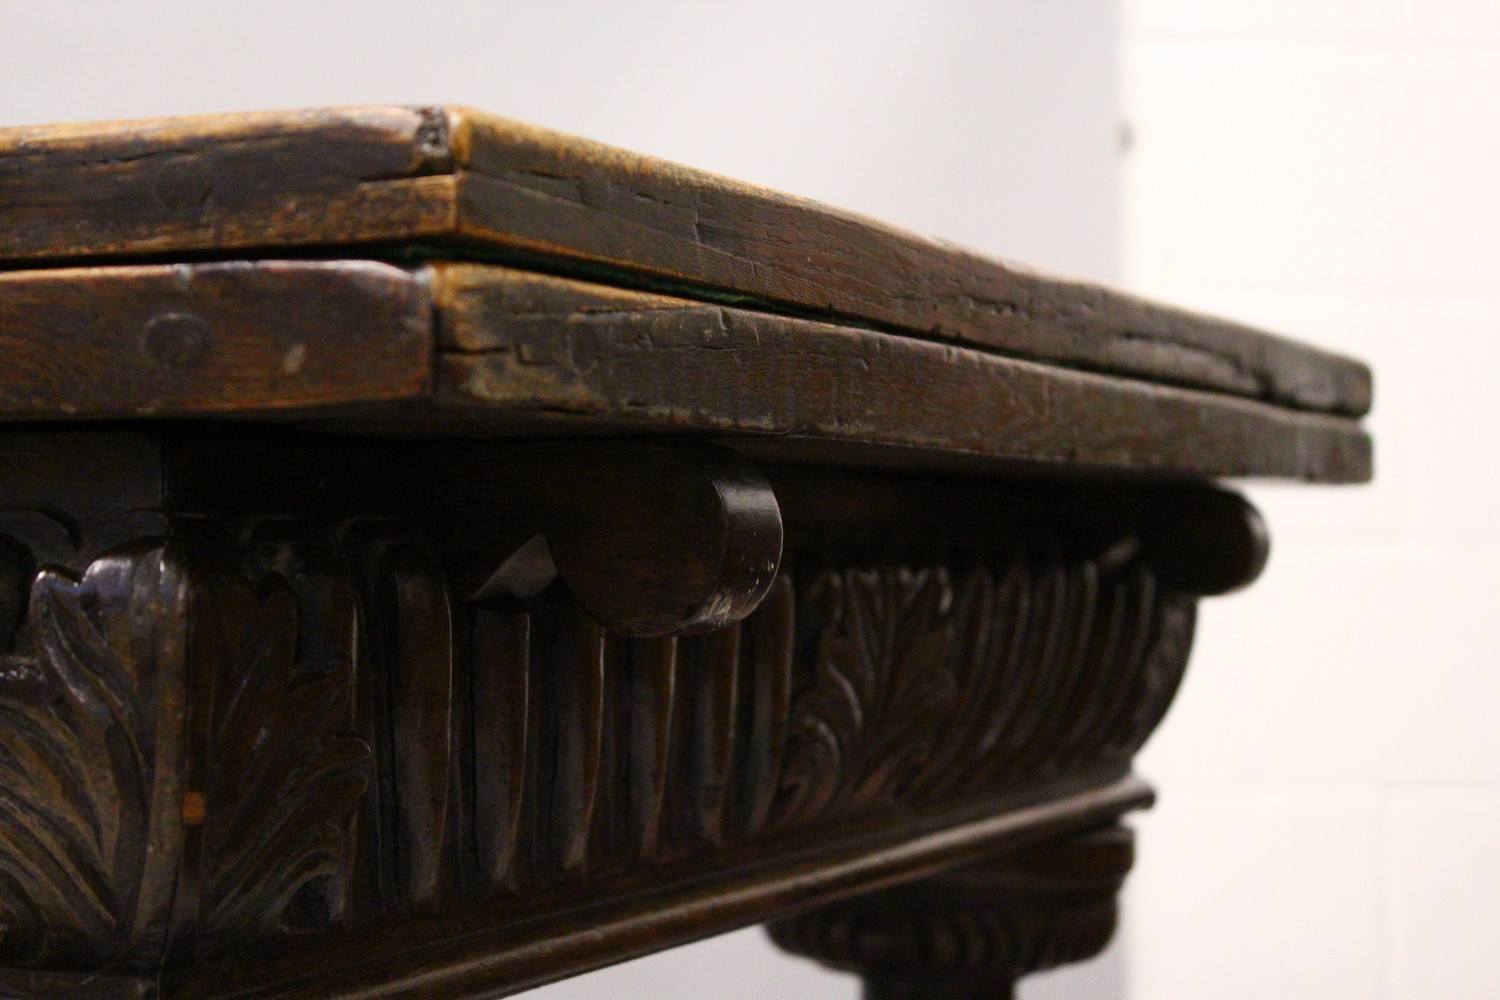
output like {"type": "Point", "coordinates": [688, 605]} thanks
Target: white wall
{"type": "Point", "coordinates": [1330, 775]}
{"type": "Point", "coordinates": [988, 123]}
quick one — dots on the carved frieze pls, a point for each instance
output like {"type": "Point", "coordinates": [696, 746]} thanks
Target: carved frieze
{"type": "Point", "coordinates": [266, 731]}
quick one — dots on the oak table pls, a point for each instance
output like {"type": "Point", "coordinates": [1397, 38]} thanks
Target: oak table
{"type": "Point", "coordinates": [439, 556]}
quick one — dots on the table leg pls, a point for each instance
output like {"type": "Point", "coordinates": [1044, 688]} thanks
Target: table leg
{"type": "Point", "coordinates": [973, 933]}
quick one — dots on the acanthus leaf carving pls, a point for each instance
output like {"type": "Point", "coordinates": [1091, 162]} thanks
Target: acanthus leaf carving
{"type": "Point", "coordinates": [285, 769]}
{"type": "Point", "coordinates": [90, 729]}
{"type": "Point", "coordinates": [883, 684]}
{"type": "Point", "coordinates": [923, 683]}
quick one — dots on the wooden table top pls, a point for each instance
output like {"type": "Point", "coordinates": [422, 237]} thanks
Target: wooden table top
{"type": "Point", "coordinates": [439, 271]}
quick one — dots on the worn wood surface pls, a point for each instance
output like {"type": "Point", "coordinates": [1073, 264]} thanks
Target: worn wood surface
{"type": "Point", "coordinates": [479, 350]}
{"type": "Point", "coordinates": [455, 183]}
{"type": "Point", "coordinates": [193, 339]}
{"type": "Point", "coordinates": [518, 344]}
{"type": "Point", "coordinates": [221, 181]}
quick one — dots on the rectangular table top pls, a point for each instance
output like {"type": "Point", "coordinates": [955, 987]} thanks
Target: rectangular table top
{"type": "Point", "coordinates": [438, 269]}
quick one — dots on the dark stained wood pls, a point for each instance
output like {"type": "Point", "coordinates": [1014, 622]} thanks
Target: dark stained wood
{"type": "Point", "coordinates": [409, 707]}
{"type": "Point", "coordinates": [500, 657]}
{"type": "Point", "coordinates": [70, 519]}
{"type": "Point", "coordinates": [970, 934]}
{"type": "Point", "coordinates": [1200, 539]}
{"type": "Point", "coordinates": [373, 780]}
{"type": "Point", "coordinates": [469, 958]}
{"type": "Point", "coordinates": [21, 985]}
{"type": "Point", "coordinates": [483, 350]}
{"type": "Point", "coordinates": [194, 339]}
{"type": "Point", "coordinates": [466, 183]}
{"type": "Point", "coordinates": [703, 547]}
{"type": "Point", "coordinates": [526, 347]}
{"type": "Point", "coordinates": [91, 709]}
{"type": "Point", "coordinates": [274, 642]}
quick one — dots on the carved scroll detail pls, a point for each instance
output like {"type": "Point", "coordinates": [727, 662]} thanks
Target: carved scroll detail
{"type": "Point", "coordinates": [90, 728]}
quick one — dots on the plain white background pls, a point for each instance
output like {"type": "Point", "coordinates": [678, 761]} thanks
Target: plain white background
{"type": "Point", "coordinates": [1328, 779]}
{"type": "Point", "coordinates": [1330, 805]}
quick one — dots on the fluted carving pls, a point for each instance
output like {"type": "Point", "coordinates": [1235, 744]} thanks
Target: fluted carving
{"type": "Point", "coordinates": [404, 678]}
{"type": "Point", "coordinates": [372, 747]}
{"type": "Point", "coordinates": [284, 769]}
{"type": "Point", "coordinates": [268, 730]}
{"type": "Point", "coordinates": [852, 691]}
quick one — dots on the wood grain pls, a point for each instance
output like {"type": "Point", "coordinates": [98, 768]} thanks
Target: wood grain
{"type": "Point", "coordinates": [542, 349]}
{"type": "Point", "coordinates": [197, 339]}
{"type": "Point", "coordinates": [462, 183]}
{"type": "Point", "coordinates": [481, 350]}
{"type": "Point", "coordinates": [210, 182]}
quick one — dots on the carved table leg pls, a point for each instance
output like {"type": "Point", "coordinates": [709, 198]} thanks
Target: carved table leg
{"type": "Point", "coordinates": [971, 934]}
